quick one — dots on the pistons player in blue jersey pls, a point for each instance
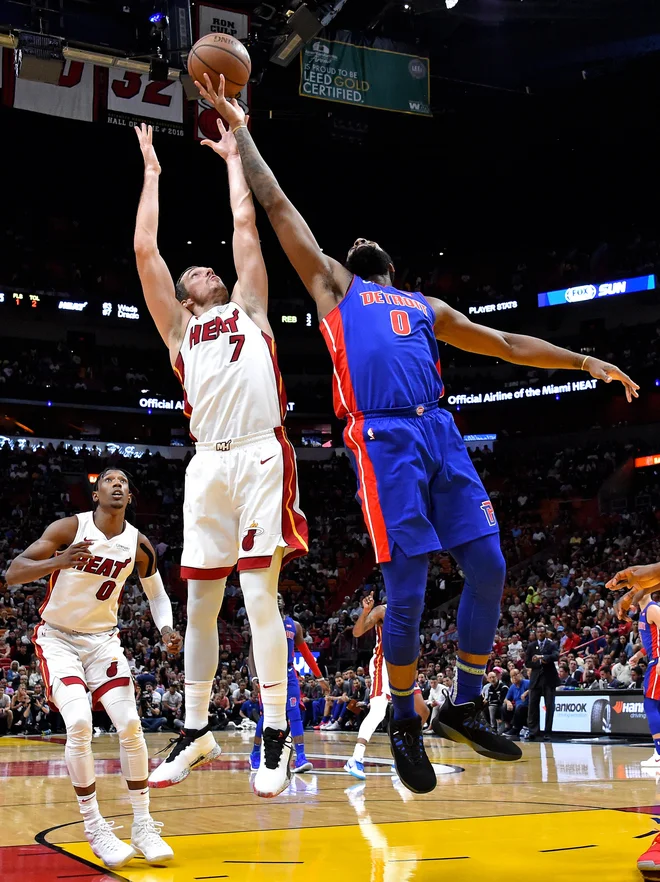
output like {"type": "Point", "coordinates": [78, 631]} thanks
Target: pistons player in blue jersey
{"type": "Point", "coordinates": [295, 640]}
{"type": "Point", "coordinates": [418, 488]}
{"type": "Point", "coordinates": [642, 582]}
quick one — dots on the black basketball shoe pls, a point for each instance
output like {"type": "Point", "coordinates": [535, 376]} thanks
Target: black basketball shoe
{"type": "Point", "coordinates": [466, 723]}
{"type": "Point", "coordinates": [412, 764]}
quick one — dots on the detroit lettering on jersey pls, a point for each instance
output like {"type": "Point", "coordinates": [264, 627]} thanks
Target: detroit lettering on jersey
{"type": "Point", "coordinates": [383, 349]}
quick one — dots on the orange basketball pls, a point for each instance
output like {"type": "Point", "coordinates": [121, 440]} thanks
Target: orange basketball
{"type": "Point", "coordinates": [217, 54]}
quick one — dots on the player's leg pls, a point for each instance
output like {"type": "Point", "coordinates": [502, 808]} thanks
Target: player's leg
{"type": "Point", "coordinates": [421, 707]}
{"type": "Point", "coordinates": [209, 552]}
{"type": "Point", "coordinates": [255, 756]}
{"type": "Point", "coordinates": [405, 582]}
{"type": "Point", "coordinates": [377, 712]}
{"type": "Point", "coordinates": [301, 764]}
{"type": "Point", "coordinates": [467, 527]}
{"type": "Point", "coordinates": [270, 652]}
{"type": "Point", "coordinates": [119, 703]}
{"type": "Point", "coordinates": [650, 860]}
{"type": "Point", "coordinates": [461, 718]}
{"type": "Point", "coordinates": [196, 745]}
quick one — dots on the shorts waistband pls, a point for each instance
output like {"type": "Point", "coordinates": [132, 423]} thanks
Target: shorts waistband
{"type": "Point", "coordinates": [231, 443]}
{"type": "Point", "coordinates": [416, 410]}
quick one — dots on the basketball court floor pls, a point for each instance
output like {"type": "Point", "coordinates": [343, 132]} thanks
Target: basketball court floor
{"type": "Point", "coordinates": [566, 812]}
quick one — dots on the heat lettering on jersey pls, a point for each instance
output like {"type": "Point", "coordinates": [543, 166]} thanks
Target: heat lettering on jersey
{"type": "Point", "coordinates": [369, 297]}
{"type": "Point", "coordinates": [212, 329]}
{"type": "Point", "coordinates": [103, 566]}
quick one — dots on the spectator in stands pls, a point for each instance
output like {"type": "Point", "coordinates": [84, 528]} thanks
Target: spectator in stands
{"type": "Point", "coordinates": [6, 715]}
{"type": "Point", "coordinates": [516, 704]}
{"type": "Point", "coordinates": [621, 671]}
{"type": "Point", "coordinates": [494, 694]}
{"type": "Point", "coordinates": [171, 706]}
{"type": "Point", "coordinates": [20, 707]}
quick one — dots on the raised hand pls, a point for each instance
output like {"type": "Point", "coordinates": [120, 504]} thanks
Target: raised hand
{"type": "Point", "coordinates": [173, 640]}
{"type": "Point", "coordinates": [638, 577]}
{"type": "Point", "coordinates": [74, 555]}
{"type": "Point", "coordinates": [145, 135]}
{"type": "Point", "coordinates": [603, 370]}
{"type": "Point", "coordinates": [230, 111]}
{"type": "Point", "coordinates": [368, 602]}
{"type": "Point", "coordinates": [226, 146]}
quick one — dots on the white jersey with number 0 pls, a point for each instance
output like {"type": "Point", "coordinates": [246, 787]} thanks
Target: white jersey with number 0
{"type": "Point", "coordinates": [85, 598]}
{"type": "Point", "coordinates": [228, 368]}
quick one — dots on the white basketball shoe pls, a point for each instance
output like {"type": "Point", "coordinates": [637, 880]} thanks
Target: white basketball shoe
{"type": "Point", "coordinates": [146, 839]}
{"type": "Point", "coordinates": [107, 846]}
{"type": "Point", "coordinates": [653, 762]}
{"type": "Point", "coordinates": [193, 748]}
{"type": "Point", "coordinates": [274, 774]}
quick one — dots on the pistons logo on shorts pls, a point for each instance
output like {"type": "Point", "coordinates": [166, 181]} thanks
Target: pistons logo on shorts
{"type": "Point", "coordinates": [112, 669]}
{"type": "Point", "coordinates": [293, 702]}
{"type": "Point", "coordinates": [251, 533]}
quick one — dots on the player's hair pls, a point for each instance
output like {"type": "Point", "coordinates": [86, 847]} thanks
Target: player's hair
{"type": "Point", "coordinates": [113, 469]}
{"type": "Point", "coordinates": [180, 289]}
{"type": "Point", "coordinates": [369, 261]}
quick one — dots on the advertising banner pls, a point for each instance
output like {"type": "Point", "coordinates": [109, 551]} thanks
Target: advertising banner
{"type": "Point", "coordinates": [616, 712]}
{"type": "Point", "coordinates": [358, 75]}
{"type": "Point", "coordinates": [582, 293]}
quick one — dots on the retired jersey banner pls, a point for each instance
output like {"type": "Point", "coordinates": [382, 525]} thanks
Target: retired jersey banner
{"type": "Point", "coordinates": [133, 98]}
{"type": "Point", "coordinates": [218, 20]}
{"type": "Point", "coordinates": [72, 97]}
{"type": "Point", "coordinates": [357, 75]}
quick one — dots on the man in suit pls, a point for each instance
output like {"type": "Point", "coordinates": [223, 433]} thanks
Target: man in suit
{"type": "Point", "coordinates": [540, 658]}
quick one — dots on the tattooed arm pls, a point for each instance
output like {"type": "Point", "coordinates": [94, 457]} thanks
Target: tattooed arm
{"type": "Point", "coordinates": [326, 279]}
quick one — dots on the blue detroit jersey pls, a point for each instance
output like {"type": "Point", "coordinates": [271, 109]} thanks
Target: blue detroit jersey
{"type": "Point", "coordinates": [290, 629]}
{"type": "Point", "coordinates": [649, 634]}
{"type": "Point", "coordinates": [383, 348]}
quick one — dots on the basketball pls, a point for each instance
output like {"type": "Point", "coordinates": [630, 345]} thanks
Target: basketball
{"type": "Point", "coordinates": [217, 54]}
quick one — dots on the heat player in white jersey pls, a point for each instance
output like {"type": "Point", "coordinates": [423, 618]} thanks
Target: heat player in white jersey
{"type": "Point", "coordinates": [379, 697]}
{"type": "Point", "coordinates": [241, 489]}
{"type": "Point", "coordinates": [89, 557]}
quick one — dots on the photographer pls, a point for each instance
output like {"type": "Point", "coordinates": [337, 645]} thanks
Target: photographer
{"type": "Point", "coordinates": [149, 709]}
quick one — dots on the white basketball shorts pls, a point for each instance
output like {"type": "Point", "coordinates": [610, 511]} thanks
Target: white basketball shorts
{"type": "Point", "coordinates": [240, 505]}
{"type": "Point", "coordinates": [380, 685]}
{"type": "Point", "coordinates": [95, 661]}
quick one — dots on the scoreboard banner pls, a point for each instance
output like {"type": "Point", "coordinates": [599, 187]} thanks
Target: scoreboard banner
{"type": "Point", "coordinates": [133, 98]}
{"type": "Point", "coordinates": [359, 75]}
{"type": "Point", "coordinates": [218, 20]}
{"type": "Point", "coordinates": [583, 293]}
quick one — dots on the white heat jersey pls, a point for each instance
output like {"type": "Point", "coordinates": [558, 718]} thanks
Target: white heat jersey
{"type": "Point", "coordinates": [228, 369]}
{"type": "Point", "coordinates": [85, 599]}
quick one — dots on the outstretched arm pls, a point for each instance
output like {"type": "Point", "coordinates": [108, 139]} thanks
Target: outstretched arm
{"type": "Point", "coordinates": [325, 279]}
{"type": "Point", "coordinates": [369, 617]}
{"type": "Point", "coordinates": [168, 314]}
{"type": "Point", "coordinates": [251, 290]}
{"type": "Point", "coordinates": [453, 327]}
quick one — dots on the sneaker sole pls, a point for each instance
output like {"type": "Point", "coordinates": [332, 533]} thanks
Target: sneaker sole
{"type": "Point", "coordinates": [306, 767]}
{"type": "Point", "coordinates": [450, 734]}
{"type": "Point", "coordinates": [121, 863]}
{"type": "Point", "coordinates": [412, 789]}
{"type": "Point", "coordinates": [158, 859]}
{"type": "Point", "coordinates": [276, 793]}
{"type": "Point", "coordinates": [648, 865]}
{"type": "Point", "coordinates": [202, 761]}
{"type": "Point", "coordinates": [355, 774]}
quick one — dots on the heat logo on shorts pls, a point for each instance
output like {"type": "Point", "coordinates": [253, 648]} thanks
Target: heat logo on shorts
{"type": "Point", "coordinates": [251, 533]}
{"type": "Point", "coordinates": [112, 669]}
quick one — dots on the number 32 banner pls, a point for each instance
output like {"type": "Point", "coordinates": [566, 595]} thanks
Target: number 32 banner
{"type": "Point", "coordinates": [133, 98]}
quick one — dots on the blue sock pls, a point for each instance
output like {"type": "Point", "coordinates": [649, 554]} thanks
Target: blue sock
{"type": "Point", "coordinates": [403, 703]}
{"type": "Point", "coordinates": [300, 751]}
{"type": "Point", "coordinates": [260, 727]}
{"type": "Point", "coordinates": [479, 610]}
{"type": "Point", "coordinates": [405, 581]}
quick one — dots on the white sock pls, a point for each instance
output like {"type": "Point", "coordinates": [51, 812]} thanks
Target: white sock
{"type": "Point", "coordinates": [273, 698]}
{"type": "Point", "coordinates": [358, 753]}
{"type": "Point", "coordinates": [140, 802]}
{"type": "Point", "coordinates": [89, 809]}
{"type": "Point", "coordinates": [198, 696]}
{"type": "Point", "coordinates": [268, 639]}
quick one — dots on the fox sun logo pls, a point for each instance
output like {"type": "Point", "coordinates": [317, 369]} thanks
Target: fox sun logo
{"type": "Point", "coordinates": [251, 533]}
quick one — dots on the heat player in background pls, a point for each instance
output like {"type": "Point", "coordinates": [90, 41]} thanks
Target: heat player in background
{"type": "Point", "coordinates": [379, 697]}
{"type": "Point", "coordinates": [240, 503]}
{"type": "Point", "coordinates": [418, 488]}
{"type": "Point", "coordinates": [89, 557]}
{"type": "Point", "coordinates": [295, 640]}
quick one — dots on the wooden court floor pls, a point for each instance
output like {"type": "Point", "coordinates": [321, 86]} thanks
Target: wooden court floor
{"type": "Point", "coordinates": [566, 812]}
